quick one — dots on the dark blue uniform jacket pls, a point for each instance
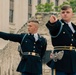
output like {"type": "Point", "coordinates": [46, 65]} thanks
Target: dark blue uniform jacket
{"type": "Point", "coordinates": [62, 35]}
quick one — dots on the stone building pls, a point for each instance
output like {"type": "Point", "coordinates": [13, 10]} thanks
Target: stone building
{"type": "Point", "coordinates": [14, 13]}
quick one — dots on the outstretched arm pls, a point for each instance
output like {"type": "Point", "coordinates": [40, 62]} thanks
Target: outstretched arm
{"type": "Point", "coordinates": [11, 37]}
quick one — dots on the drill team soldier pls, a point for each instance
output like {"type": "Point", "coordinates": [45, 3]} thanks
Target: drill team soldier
{"type": "Point", "coordinates": [33, 48]}
{"type": "Point", "coordinates": [63, 34]}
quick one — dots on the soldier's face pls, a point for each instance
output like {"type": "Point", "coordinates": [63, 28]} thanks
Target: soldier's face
{"type": "Point", "coordinates": [32, 28]}
{"type": "Point", "coordinates": [67, 14]}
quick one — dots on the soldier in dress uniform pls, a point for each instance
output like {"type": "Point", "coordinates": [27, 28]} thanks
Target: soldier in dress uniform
{"type": "Point", "coordinates": [33, 48]}
{"type": "Point", "coordinates": [63, 34]}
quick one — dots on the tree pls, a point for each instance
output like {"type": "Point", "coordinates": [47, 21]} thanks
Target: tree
{"type": "Point", "coordinates": [72, 3]}
{"type": "Point", "coordinates": [40, 8]}
{"type": "Point", "coordinates": [47, 7]}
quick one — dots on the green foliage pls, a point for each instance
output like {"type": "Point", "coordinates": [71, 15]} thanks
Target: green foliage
{"type": "Point", "coordinates": [59, 7]}
{"type": "Point", "coordinates": [47, 7]}
{"type": "Point", "coordinates": [72, 3]}
{"type": "Point", "coordinates": [40, 8]}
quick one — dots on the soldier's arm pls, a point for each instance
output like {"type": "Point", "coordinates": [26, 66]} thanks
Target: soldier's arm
{"type": "Point", "coordinates": [54, 28]}
{"type": "Point", "coordinates": [11, 37]}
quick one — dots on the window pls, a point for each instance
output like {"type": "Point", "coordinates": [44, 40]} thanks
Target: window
{"type": "Point", "coordinates": [30, 2]}
{"type": "Point", "coordinates": [29, 8]}
{"type": "Point", "coordinates": [48, 1]}
{"type": "Point", "coordinates": [39, 1]}
{"type": "Point", "coordinates": [11, 10]}
{"type": "Point", "coordinates": [29, 15]}
{"type": "Point", "coordinates": [12, 0]}
{"type": "Point", "coordinates": [56, 4]}
{"type": "Point", "coordinates": [11, 15]}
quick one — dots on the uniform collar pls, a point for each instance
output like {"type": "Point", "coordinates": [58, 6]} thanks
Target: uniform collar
{"type": "Point", "coordinates": [35, 34]}
{"type": "Point", "coordinates": [69, 23]}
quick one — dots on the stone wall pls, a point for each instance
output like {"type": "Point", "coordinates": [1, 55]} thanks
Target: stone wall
{"type": "Point", "coordinates": [9, 56]}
